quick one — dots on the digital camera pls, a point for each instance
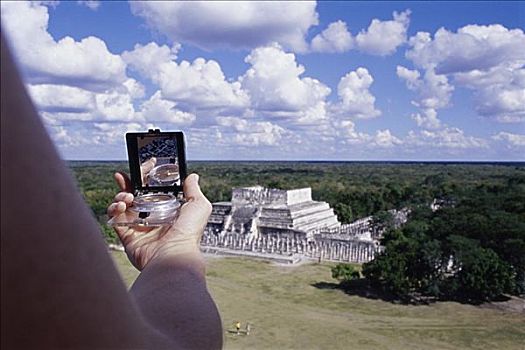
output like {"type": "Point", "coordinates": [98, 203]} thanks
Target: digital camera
{"type": "Point", "coordinates": [157, 165]}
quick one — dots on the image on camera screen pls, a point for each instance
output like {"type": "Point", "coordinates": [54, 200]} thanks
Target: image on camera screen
{"type": "Point", "coordinates": [159, 162]}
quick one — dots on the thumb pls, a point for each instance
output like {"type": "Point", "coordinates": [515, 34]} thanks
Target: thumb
{"type": "Point", "coordinates": [123, 182]}
{"type": "Point", "coordinates": [195, 212]}
{"type": "Point", "coordinates": [148, 165]}
{"type": "Point", "coordinates": [191, 188]}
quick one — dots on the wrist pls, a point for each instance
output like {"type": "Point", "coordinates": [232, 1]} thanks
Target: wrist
{"type": "Point", "coordinates": [174, 248]}
{"type": "Point", "coordinates": [187, 256]}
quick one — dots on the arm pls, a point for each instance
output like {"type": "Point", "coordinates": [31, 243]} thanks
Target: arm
{"type": "Point", "coordinates": [176, 286]}
{"type": "Point", "coordinates": [59, 287]}
{"type": "Point", "coordinates": [172, 281]}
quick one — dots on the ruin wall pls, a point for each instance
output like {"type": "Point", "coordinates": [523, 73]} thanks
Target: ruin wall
{"type": "Point", "coordinates": [350, 251]}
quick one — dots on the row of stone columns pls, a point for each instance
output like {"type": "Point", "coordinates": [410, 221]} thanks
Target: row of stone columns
{"type": "Point", "coordinates": [347, 251]}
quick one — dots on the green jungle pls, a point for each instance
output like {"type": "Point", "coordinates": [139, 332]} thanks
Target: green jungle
{"type": "Point", "coordinates": [471, 250]}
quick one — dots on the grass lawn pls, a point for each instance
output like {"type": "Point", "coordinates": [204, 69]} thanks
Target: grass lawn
{"type": "Point", "coordinates": [287, 311]}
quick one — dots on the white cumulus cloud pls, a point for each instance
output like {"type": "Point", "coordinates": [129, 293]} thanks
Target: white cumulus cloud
{"type": "Point", "coordinates": [348, 134]}
{"type": "Point", "coordinates": [356, 100]}
{"type": "Point", "coordinates": [235, 24]}
{"type": "Point", "coordinates": [487, 59]}
{"type": "Point", "coordinates": [434, 92]}
{"type": "Point", "coordinates": [250, 133]}
{"type": "Point", "coordinates": [112, 133]}
{"type": "Point", "coordinates": [159, 109]}
{"type": "Point", "coordinates": [86, 63]}
{"type": "Point", "coordinates": [90, 4]}
{"type": "Point", "coordinates": [346, 130]}
{"type": "Point", "coordinates": [448, 137]}
{"type": "Point", "coordinates": [60, 98]}
{"type": "Point", "coordinates": [276, 87]}
{"type": "Point", "coordinates": [60, 103]}
{"type": "Point", "coordinates": [411, 77]}
{"type": "Point", "coordinates": [383, 37]}
{"type": "Point", "coordinates": [197, 85]}
{"type": "Point", "coordinates": [135, 88]}
{"type": "Point", "coordinates": [114, 105]}
{"type": "Point", "coordinates": [472, 47]}
{"type": "Point", "coordinates": [384, 138]}
{"type": "Point", "coordinates": [335, 38]}
{"type": "Point", "coordinates": [513, 140]}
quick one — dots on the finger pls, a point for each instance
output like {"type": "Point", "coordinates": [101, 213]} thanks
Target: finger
{"type": "Point", "coordinates": [191, 188]}
{"type": "Point", "coordinates": [148, 165]}
{"type": "Point", "coordinates": [195, 212]}
{"type": "Point", "coordinates": [123, 181]}
{"type": "Point", "coordinates": [125, 197]}
{"type": "Point", "coordinates": [117, 208]}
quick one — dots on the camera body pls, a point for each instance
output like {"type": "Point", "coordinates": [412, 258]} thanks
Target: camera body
{"type": "Point", "coordinates": [157, 164]}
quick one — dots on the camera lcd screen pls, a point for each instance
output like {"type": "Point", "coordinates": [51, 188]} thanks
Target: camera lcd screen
{"type": "Point", "coordinates": [157, 161]}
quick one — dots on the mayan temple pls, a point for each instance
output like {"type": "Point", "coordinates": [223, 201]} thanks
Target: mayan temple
{"type": "Point", "coordinates": [256, 211]}
{"type": "Point", "coordinates": [287, 225]}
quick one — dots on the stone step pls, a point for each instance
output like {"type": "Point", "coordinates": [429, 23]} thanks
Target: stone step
{"type": "Point", "coordinates": [312, 218]}
{"type": "Point", "coordinates": [295, 211]}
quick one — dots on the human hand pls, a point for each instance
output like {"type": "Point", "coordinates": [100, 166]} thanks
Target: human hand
{"type": "Point", "coordinates": [145, 168]}
{"type": "Point", "coordinates": [144, 244]}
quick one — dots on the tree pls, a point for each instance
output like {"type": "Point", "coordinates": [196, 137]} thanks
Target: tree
{"type": "Point", "coordinates": [381, 222]}
{"type": "Point", "coordinates": [345, 273]}
{"type": "Point", "coordinates": [478, 274]}
{"type": "Point", "coordinates": [410, 265]}
{"type": "Point", "coordinates": [474, 251]}
{"type": "Point", "coordinates": [487, 205]}
{"type": "Point", "coordinates": [344, 213]}
{"type": "Point", "coordinates": [514, 250]}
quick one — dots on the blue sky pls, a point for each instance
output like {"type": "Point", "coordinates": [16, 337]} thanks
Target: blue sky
{"type": "Point", "coordinates": [278, 80]}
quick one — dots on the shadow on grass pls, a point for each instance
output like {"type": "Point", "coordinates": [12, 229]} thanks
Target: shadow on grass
{"type": "Point", "coordinates": [362, 288]}
{"type": "Point", "coordinates": [235, 333]}
{"type": "Point", "coordinates": [359, 287]}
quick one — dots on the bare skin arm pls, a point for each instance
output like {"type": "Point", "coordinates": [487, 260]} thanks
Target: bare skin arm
{"type": "Point", "coordinates": [170, 259]}
{"type": "Point", "coordinates": [59, 287]}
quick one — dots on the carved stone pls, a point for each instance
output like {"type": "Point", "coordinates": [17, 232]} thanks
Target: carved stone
{"type": "Point", "coordinates": [287, 225]}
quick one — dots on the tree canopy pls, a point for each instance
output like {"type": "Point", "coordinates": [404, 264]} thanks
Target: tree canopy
{"type": "Point", "coordinates": [473, 250]}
